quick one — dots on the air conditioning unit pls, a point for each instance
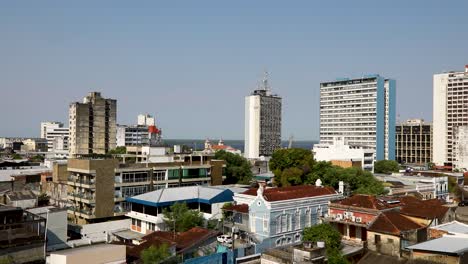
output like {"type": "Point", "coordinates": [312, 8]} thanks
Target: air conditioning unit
{"type": "Point", "coordinates": [358, 219]}
{"type": "Point", "coordinates": [353, 218]}
{"type": "Point", "coordinates": [339, 216]}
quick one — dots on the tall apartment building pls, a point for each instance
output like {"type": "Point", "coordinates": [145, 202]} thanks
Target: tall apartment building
{"type": "Point", "coordinates": [460, 148]}
{"type": "Point", "coordinates": [262, 122]}
{"type": "Point", "coordinates": [92, 125]}
{"type": "Point", "coordinates": [360, 110]}
{"type": "Point", "coordinates": [55, 133]}
{"type": "Point", "coordinates": [97, 188]}
{"type": "Point", "coordinates": [449, 112]}
{"type": "Point", "coordinates": [414, 142]}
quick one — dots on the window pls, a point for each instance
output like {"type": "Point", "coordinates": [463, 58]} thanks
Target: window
{"type": "Point", "coordinates": [307, 217]}
{"type": "Point", "coordinates": [377, 239]}
{"type": "Point", "coordinates": [265, 224]}
{"type": "Point", "coordinates": [298, 219]}
{"type": "Point", "coordinates": [284, 223]}
{"type": "Point", "coordinates": [138, 223]}
{"type": "Point", "coordinates": [389, 240]}
{"type": "Point", "coordinates": [252, 225]}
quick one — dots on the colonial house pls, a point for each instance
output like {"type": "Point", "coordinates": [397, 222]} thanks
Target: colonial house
{"type": "Point", "coordinates": [272, 217]}
{"type": "Point", "coordinates": [392, 232]}
{"type": "Point", "coordinates": [353, 216]}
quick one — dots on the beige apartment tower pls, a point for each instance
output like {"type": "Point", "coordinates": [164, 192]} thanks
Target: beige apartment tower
{"type": "Point", "coordinates": [93, 126]}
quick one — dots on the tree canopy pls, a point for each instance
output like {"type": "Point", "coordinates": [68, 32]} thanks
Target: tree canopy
{"type": "Point", "coordinates": [297, 166]}
{"type": "Point", "coordinates": [386, 166]}
{"type": "Point", "coordinates": [238, 168]}
{"type": "Point", "coordinates": [181, 217]}
{"type": "Point", "coordinates": [118, 150]}
{"type": "Point", "coordinates": [291, 166]}
{"type": "Point", "coordinates": [332, 239]}
{"type": "Point", "coordinates": [153, 254]}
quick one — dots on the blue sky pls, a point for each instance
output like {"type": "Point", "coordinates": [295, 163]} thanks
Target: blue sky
{"type": "Point", "coordinates": [191, 63]}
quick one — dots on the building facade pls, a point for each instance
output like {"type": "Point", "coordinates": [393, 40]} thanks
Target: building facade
{"type": "Point", "coordinates": [449, 112]}
{"type": "Point", "coordinates": [340, 153]}
{"type": "Point", "coordinates": [92, 125]}
{"type": "Point", "coordinates": [460, 148]}
{"type": "Point", "coordinates": [273, 217]}
{"type": "Point", "coordinates": [262, 122]}
{"type": "Point", "coordinates": [56, 134]}
{"type": "Point", "coordinates": [97, 188]}
{"type": "Point", "coordinates": [362, 111]}
{"type": "Point", "coordinates": [414, 142]}
{"type": "Point", "coordinates": [146, 120]}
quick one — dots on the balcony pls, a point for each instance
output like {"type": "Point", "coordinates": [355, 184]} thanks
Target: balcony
{"type": "Point", "coordinates": [82, 197]}
{"type": "Point", "coordinates": [145, 217]}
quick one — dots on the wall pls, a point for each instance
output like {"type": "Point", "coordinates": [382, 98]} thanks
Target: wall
{"type": "Point", "coordinates": [439, 146]}
{"type": "Point", "coordinates": [60, 172]}
{"type": "Point", "coordinates": [24, 254]}
{"type": "Point", "coordinates": [217, 172]}
{"type": "Point", "coordinates": [385, 247]}
{"type": "Point", "coordinates": [97, 254]}
{"type": "Point", "coordinates": [436, 257]}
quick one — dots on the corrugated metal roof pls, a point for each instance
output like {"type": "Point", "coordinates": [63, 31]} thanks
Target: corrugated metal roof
{"type": "Point", "coordinates": [189, 193]}
{"type": "Point", "coordinates": [446, 244]}
{"type": "Point", "coordinates": [453, 227]}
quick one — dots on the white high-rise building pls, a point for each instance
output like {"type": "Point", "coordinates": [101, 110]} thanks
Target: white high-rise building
{"type": "Point", "coordinates": [361, 111]}
{"type": "Point", "coordinates": [53, 132]}
{"type": "Point", "coordinates": [145, 120]}
{"type": "Point", "coordinates": [450, 111]}
{"type": "Point", "coordinates": [262, 122]}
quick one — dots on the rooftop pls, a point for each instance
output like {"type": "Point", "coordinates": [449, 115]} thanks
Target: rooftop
{"type": "Point", "coordinates": [292, 192]}
{"type": "Point", "coordinates": [366, 201]}
{"type": "Point", "coordinates": [453, 227]}
{"type": "Point", "coordinates": [393, 223]}
{"type": "Point", "coordinates": [167, 196]}
{"type": "Point", "coordinates": [446, 244]}
{"type": "Point", "coordinates": [241, 208]}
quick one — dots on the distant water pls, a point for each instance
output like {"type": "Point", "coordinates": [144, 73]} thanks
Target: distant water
{"type": "Point", "coordinates": [199, 144]}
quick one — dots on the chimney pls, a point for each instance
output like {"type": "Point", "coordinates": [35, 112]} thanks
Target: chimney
{"type": "Point", "coordinates": [466, 68]}
{"type": "Point", "coordinates": [341, 187]}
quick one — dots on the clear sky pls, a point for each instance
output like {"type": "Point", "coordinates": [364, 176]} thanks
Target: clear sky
{"type": "Point", "coordinates": [190, 63]}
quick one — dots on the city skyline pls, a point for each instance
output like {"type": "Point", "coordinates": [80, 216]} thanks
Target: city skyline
{"type": "Point", "coordinates": [183, 64]}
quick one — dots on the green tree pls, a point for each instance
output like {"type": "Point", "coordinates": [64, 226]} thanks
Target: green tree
{"type": "Point", "coordinates": [118, 150]}
{"type": "Point", "coordinates": [332, 239]}
{"type": "Point", "coordinates": [37, 158]}
{"type": "Point", "coordinates": [238, 168]}
{"type": "Point", "coordinates": [181, 217]}
{"type": "Point", "coordinates": [153, 254]}
{"type": "Point", "coordinates": [16, 156]}
{"type": "Point", "coordinates": [283, 161]}
{"type": "Point", "coordinates": [386, 166]}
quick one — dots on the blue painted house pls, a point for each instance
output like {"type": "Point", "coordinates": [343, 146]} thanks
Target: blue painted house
{"type": "Point", "coordinates": [272, 217]}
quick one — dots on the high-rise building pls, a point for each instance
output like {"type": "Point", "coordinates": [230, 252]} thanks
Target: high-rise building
{"type": "Point", "coordinates": [460, 148]}
{"type": "Point", "coordinates": [55, 132]}
{"type": "Point", "coordinates": [450, 111]}
{"type": "Point", "coordinates": [414, 142]}
{"type": "Point", "coordinates": [262, 122]}
{"type": "Point", "coordinates": [92, 125]}
{"type": "Point", "coordinates": [362, 111]}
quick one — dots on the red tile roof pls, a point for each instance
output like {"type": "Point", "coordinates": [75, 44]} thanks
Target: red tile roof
{"type": "Point", "coordinates": [182, 241]}
{"type": "Point", "coordinates": [427, 209]}
{"type": "Point", "coordinates": [365, 201]}
{"type": "Point", "coordinates": [185, 239]}
{"type": "Point", "coordinates": [291, 192]}
{"type": "Point", "coordinates": [241, 208]}
{"type": "Point", "coordinates": [393, 223]}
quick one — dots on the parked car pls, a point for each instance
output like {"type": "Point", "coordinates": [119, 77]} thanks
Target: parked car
{"type": "Point", "coordinates": [224, 239]}
{"type": "Point", "coordinates": [463, 203]}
